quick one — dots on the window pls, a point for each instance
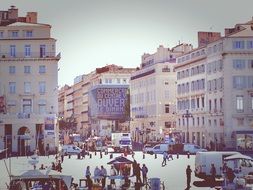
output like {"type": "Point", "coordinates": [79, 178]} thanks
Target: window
{"type": "Point", "coordinates": [193, 103]}
{"type": "Point", "coordinates": [118, 81]}
{"type": "Point", "coordinates": [42, 87]}
{"type": "Point", "coordinates": [251, 102]}
{"type": "Point", "coordinates": [42, 69]}
{"type": "Point", "coordinates": [28, 33]}
{"type": "Point", "coordinates": [238, 44]}
{"type": "Point", "coordinates": [239, 82]}
{"type": "Point", "coordinates": [197, 121]}
{"type": "Point", "coordinates": [210, 105]}
{"type": "Point", "coordinates": [251, 64]}
{"type": "Point", "coordinates": [203, 121]}
{"type": "Point", "coordinates": [203, 101]}
{"type": "Point", "coordinates": [27, 69]}
{"type": "Point", "coordinates": [167, 108]}
{"type": "Point", "coordinates": [27, 50]}
{"type": "Point", "coordinates": [12, 87]}
{"type": "Point", "coordinates": [42, 106]}
{"type": "Point", "coordinates": [27, 87]}
{"type": "Point", "coordinates": [215, 105]}
{"type": "Point", "coordinates": [1, 34]}
{"type": "Point", "coordinates": [221, 104]}
{"type": "Point", "coordinates": [166, 94]}
{"type": "Point", "coordinates": [12, 69]}
{"type": "Point", "coordinates": [197, 102]}
{"type": "Point", "coordinates": [240, 121]}
{"type": "Point", "coordinates": [14, 34]}
{"type": "Point", "coordinates": [239, 103]}
{"type": "Point", "coordinates": [12, 50]}
{"type": "Point", "coordinates": [27, 105]}
{"type": "Point", "coordinates": [249, 44]}
{"type": "Point", "coordinates": [42, 50]}
{"type": "Point", "coordinates": [239, 64]}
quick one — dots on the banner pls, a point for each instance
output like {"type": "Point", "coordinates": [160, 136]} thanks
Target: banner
{"type": "Point", "coordinates": [49, 123]}
{"type": "Point", "coordinates": [108, 102]}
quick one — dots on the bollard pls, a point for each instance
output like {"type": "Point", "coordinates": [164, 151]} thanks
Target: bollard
{"type": "Point", "coordinates": [79, 156]}
{"type": "Point", "coordinates": [143, 156]}
{"type": "Point", "coordinates": [155, 156]}
{"type": "Point", "coordinates": [95, 153]}
{"type": "Point", "coordinates": [188, 155]}
{"type": "Point", "coordinates": [101, 155]}
{"type": "Point", "coordinates": [90, 155]}
{"type": "Point", "coordinates": [177, 155]}
{"type": "Point", "coordinates": [111, 156]}
{"type": "Point", "coordinates": [69, 156]}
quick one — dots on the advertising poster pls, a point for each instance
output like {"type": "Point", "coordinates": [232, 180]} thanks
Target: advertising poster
{"type": "Point", "coordinates": [49, 123]}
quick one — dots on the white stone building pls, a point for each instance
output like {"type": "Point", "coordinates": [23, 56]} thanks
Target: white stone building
{"type": "Point", "coordinates": [215, 85]}
{"type": "Point", "coordinates": [152, 89]}
{"type": "Point", "coordinates": [28, 86]}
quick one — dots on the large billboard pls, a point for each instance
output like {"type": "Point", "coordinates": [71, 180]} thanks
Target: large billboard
{"type": "Point", "coordinates": [108, 101]}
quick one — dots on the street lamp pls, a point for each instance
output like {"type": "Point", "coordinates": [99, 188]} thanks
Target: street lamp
{"type": "Point", "coordinates": [187, 115]}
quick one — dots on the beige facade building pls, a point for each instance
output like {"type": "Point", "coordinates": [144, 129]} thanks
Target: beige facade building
{"type": "Point", "coordinates": [152, 90]}
{"type": "Point", "coordinates": [28, 85]}
{"type": "Point", "coordinates": [215, 86]}
{"type": "Point", "coordinates": [75, 100]}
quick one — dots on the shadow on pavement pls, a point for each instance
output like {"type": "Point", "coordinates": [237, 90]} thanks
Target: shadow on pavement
{"type": "Point", "coordinates": [208, 184]}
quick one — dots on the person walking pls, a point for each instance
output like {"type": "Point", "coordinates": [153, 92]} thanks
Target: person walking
{"type": "Point", "coordinates": [134, 167]}
{"type": "Point", "coordinates": [144, 170]}
{"type": "Point", "coordinates": [103, 174]}
{"type": "Point", "coordinates": [165, 156]}
{"type": "Point", "coordinates": [138, 174]}
{"type": "Point", "coordinates": [213, 174]}
{"type": "Point", "coordinates": [87, 175]}
{"type": "Point", "coordinates": [188, 176]}
{"type": "Point", "coordinates": [113, 172]}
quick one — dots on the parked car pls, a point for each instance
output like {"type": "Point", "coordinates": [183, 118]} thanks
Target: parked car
{"type": "Point", "coordinates": [148, 148]}
{"type": "Point", "coordinates": [71, 150]}
{"type": "Point", "coordinates": [159, 149]}
{"type": "Point", "coordinates": [192, 148]}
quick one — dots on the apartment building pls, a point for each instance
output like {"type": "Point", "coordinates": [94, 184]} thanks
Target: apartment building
{"type": "Point", "coordinates": [215, 91]}
{"type": "Point", "coordinates": [152, 91]}
{"type": "Point", "coordinates": [28, 84]}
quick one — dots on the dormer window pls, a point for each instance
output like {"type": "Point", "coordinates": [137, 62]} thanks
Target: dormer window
{"type": "Point", "coordinates": [28, 33]}
{"type": "Point", "coordinates": [14, 34]}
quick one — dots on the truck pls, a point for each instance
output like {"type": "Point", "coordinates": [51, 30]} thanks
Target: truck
{"type": "Point", "coordinates": [121, 141]}
{"type": "Point", "coordinates": [236, 161]}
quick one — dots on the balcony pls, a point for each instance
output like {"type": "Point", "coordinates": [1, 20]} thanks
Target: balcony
{"type": "Point", "coordinates": [32, 55]}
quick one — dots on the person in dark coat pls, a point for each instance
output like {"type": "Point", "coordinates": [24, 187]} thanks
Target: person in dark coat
{"type": "Point", "coordinates": [188, 176]}
{"type": "Point", "coordinates": [138, 174]}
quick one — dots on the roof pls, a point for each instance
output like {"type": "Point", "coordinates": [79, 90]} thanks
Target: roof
{"type": "Point", "coordinates": [27, 24]}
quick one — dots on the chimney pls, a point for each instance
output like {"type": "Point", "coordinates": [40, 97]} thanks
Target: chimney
{"type": "Point", "coordinates": [31, 17]}
{"type": "Point", "coordinates": [13, 13]}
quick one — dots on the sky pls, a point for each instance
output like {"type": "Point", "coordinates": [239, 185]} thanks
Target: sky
{"type": "Point", "coordinates": [94, 33]}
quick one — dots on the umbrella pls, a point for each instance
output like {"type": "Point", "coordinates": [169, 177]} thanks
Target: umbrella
{"type": "Point", "coordinates": [120, 160]}
{"type": "Point", "coordinates": [237, 157]}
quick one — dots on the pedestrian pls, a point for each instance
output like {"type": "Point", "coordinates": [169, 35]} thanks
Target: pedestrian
{"type": "Point", "coordinates": [97, 174]}
{"type": "Point", "coordinates": [170, 156]}
{"type": "Point", "coordinates": [138, 174]}
{"type": "Point", "coordinates": [103, 174]}
{"type": "Point", "coordinates": [59, 168]}
{"type": "Point", "coordinates": [87, 175]}
{"type": "Point", "coordinates": [113, 172]}
{"type": "Point", "coordinates": [144, 171]}
{"type": "Point", "coordinates": [213, 174]}
{"type": "Point", "coordinates": [53, 166]}
{"type": "Point", "coordinates": [134, 167]}
{"type": "Point", "coordinates": [165, 155]}
{"type": "Point", "coordinates": [188, 176]}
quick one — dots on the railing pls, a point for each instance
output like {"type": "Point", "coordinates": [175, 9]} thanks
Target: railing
{"type": "Point", "coordinates": [28, 55]}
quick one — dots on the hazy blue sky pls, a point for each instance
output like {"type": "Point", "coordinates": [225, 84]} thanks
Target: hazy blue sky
{"type": "Point", "coordinates": [92, 33]}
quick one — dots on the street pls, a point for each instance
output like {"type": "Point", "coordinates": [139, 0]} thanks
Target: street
{"type": "Point", "coordinates": [173, 174]}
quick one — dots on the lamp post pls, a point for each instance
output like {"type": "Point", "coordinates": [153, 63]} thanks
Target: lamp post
{"type": "Point", "coordinates": [187, 115]}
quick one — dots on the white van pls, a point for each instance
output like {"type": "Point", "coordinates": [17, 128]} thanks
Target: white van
{"type": "Point", "coordinates": [159, 149]}
{"type": "Point", "coordinates": [192, 148]}
{"type": "Point", "coordinates": [71, 149]}
{"type": "Point", "coordinates": [203, 161]}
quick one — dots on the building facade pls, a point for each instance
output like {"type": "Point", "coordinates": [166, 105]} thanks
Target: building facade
{"type": "Point", "coordinates": [28, 86]}
{"type": "Point", "coordinates": [214, 91]}
{"type": "Point", "coordinates": [152, 92]}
